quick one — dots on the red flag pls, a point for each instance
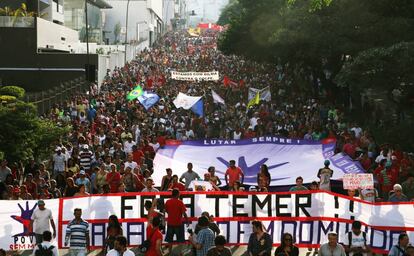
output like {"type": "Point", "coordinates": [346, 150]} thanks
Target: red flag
{"type": "Point", "coordinates": [226, 81]}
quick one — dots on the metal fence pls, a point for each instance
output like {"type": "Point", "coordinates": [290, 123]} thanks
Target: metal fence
{"type": "Point", "coordinates": [45, 100]}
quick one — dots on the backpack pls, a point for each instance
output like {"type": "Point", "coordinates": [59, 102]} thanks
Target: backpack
{"type": "Point", "coordinates": [41, 251]}
{"type": "Point", "coordinates": [350, 238]}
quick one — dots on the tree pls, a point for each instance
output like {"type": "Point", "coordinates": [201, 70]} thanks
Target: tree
{"type": "Point", "coordinates": [230, 11]}
{"type": "Point", "coordinates": [23, 134]}
{"type": "Point", "coordinates": [117, 32]}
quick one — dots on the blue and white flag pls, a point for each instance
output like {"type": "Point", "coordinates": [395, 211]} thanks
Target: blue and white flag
{"type": "Point", "coordinates": [148, 99]}
{"type": "Point", "coordinates": [285, 158]}
{"type": "Point", "coordinates": [217, 98]}
{"type": "Point", "coordinates": [184, 101]}
{"type": "Point", "coordinates": [198, 108]}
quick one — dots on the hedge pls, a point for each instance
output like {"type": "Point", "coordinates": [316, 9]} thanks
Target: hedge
{"type": "Point", "coordinates": [15, 91]}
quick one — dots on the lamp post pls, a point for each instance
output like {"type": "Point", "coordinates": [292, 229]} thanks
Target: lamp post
{"type": "Point", "coordinates": [126, 32]}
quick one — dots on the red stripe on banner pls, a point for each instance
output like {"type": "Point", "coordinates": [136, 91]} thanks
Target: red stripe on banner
{"type": "Point", "coordinates": [248, 219]}
{"type": "Point", "coordinates": [244, 193]}
{"type": "Point", "coordinates": [60, 221]}
{"type": "Point", "coordinates": [312, 246]}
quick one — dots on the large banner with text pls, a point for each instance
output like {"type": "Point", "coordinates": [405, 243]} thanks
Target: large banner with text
{"type": "Point", "coordinates": [309, 217]}
{"type": "Point", "coordinates": [286, 158]}
{"type": "Point", "coordinates": [195, 76]}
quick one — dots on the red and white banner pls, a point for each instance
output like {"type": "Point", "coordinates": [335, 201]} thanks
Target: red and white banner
{"type": "Point", "coordinates": [308, 216]}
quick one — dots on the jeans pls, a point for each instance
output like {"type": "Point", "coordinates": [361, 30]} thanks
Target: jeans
{"type": "Point", "coordinates": [77, 252]}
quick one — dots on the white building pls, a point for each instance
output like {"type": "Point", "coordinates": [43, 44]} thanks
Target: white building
{"type": "Point", "coordinates": [145, 21]}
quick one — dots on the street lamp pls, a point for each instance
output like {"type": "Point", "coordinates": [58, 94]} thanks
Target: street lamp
{"type": "Point", "coordinates": [126, 32]}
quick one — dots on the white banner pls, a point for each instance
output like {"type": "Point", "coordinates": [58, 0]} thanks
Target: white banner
{"type": "Point", "coordinates": [286, 159]}
{"type": "Point", "coordinates": [358, 181]}
{"type": "Point", "coordinates": [308, 216]}
{"type": "Point", "coordinates": [195, 76]}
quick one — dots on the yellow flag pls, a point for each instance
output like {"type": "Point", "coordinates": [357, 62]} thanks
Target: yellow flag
{"type": "Point", "coordinates": [254, 101]}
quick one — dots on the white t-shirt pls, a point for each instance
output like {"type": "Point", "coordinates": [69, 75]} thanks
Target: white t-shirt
{"type": "Point", "coordinates": [369, 195]}
{"type": "Point", "coordinates": [237, 136]}
{"type": "Point", "coordinates": [114, 252]}
{"type": "Point", "coordinates": [128, 146]}
{"type": "Point", "coordinates": [357, 241]}
{"type": "Point", "coordinates": [41, 220]}
{"type": "Point", "coordinates": [59, 162]}
{"type": "Point", "coordinates": [131, 164]}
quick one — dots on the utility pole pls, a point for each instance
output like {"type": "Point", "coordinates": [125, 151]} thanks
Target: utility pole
{"type": "Point", "coordinates": [126, 31]}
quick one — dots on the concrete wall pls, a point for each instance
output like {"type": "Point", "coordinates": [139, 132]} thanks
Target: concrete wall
{"type": "Point", "coordinates": [62, 38]}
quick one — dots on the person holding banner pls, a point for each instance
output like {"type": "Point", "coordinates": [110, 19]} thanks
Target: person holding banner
{"type": "Point", "coordinates": [286, 247]}
{"type": "Point", "coordinates": [233, 174]}
{"type": "Point", "coordinates": [325, 174]}
{"type": "Point", "coordinates": [260, 242]}
{"type": "Point", "coordinates": [175, 209]}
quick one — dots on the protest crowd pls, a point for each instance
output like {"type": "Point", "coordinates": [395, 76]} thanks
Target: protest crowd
{"type": "Point", "coordinates": [113, 141]}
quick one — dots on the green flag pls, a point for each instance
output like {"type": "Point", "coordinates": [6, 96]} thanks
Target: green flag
{"type": "Point", "coordinates": [135, 93]}
{"type": "Point", "coordinates": [254, 101]}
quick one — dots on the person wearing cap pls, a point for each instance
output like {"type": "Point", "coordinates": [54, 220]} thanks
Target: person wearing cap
{"type": "Point", "coordinates": [325, 175]}
{"type": "Point", "coordinates": [149, 183]}
{"type": "Point", "coordinates": [83, 180]}
{"type": "Point", "coordinates": [332, 247]}
{"type": "Point", "coordinates": [41, 221]}
{"type": "Point", "coordinates": [59, 162]}
{"type": "Point", "coordinates": [397, 195]}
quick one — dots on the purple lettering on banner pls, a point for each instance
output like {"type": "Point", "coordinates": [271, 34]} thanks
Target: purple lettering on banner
{"type": "Point", "coordinates": [95, 233]}
{"type": "Point", "coordinates": [294, 225]}
{"type": "Point", "coordinates": [310, 223]}
{"type": "Point", "coordinates": [240, 231]}
{"type": "Point", "coordinates": [384, 237]}
{"type": "Point", "coordinates": [321, 228]}
{"type": "Point", "coordinates": [131, 233]}
{"type": "Point", "coordinates": [227, 224]}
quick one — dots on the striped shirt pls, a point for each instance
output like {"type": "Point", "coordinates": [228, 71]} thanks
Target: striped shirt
{"type": "Point", "coordinates": [77, 233]}
{"type": "Point", "coordinates": [85, 159]}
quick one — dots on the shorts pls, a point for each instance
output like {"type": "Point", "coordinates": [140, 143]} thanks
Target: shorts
{"type": "Point", "coordinates": [178, 231]}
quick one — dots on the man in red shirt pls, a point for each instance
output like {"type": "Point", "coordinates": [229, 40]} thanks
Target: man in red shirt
{"type": "Point", "coordinates": [175, 210]}
{"type": "Point", "coordinates": [113, 178]}
{"type": "Point", "coordinates": [137, 155]}
{"type": "Point", "coordinates": [233, 174]}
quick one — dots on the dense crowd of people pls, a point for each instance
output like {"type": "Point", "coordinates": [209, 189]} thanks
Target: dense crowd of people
{"type": "Point", "coordinates": [112, 142]}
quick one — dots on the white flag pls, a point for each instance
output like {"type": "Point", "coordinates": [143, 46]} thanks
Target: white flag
{"type": "Point", "coordinates": [184, 101]}
{"type": "Point", "coordinates": [264, 93]}
{"type": "Point", "coordinates": [217, 98]}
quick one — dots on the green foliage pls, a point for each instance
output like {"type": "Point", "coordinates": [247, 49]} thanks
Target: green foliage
{"type": "Point", "coordinates": [15, 91]}
{"type": "Point", "coordinates": [7, 98]}
{"type": "Point", "coordinates": [23, 134]}
{"type": "Point", "coordinates": [229, 12]}
{"type": "Point", "coordinates": [387, 67]}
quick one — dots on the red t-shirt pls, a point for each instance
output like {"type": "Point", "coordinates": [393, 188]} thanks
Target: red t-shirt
{"type": "Point", "coordinates": [178, 186]}
{"type": "Point", "coordinates": [136, 156]}
{"type": "Point", "coordinates": [154, 235]}
{"type": "Point", "coordinates": [115, 181]}
{"type": "Point", "coordinates": [175, 209]}
{"type": "Point", "coordinates": [234, 175]}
